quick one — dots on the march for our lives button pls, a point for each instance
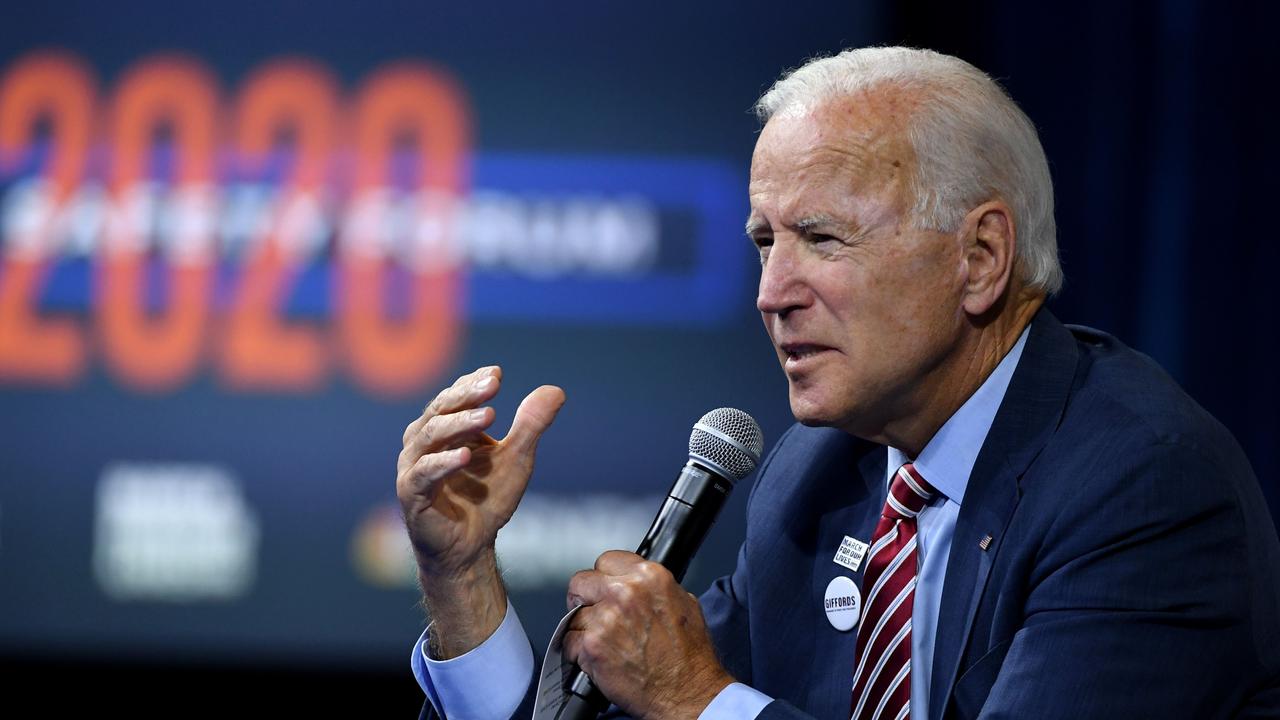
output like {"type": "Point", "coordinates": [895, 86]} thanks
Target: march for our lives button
{"type": "Point", "coordinates": [843, 603]}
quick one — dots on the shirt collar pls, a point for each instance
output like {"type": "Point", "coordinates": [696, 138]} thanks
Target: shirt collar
{"type": "Point", "coordinates": [947, 460]}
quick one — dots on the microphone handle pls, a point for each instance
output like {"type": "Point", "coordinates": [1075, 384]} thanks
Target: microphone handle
{"type": "Point", "coordinates": [675, 535]}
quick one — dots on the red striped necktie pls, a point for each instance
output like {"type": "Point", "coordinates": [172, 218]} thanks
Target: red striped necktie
{"type": "Point", "coordinates": [882, 677]}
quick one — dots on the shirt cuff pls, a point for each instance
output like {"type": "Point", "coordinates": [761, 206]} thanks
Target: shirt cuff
{"type": "Point", "coordinates": [489, 681]}
{"type": "Point", "coordinates": [735, 702]}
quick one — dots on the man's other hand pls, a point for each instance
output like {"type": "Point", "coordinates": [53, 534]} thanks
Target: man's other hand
{"type": "Point", "coordinates": [642, 639]}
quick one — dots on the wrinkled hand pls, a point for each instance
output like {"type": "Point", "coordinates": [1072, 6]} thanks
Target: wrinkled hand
{"type": "Point", "coordinates": [642, 639]}
{"type": "Point", "coordinates": [457, 487]}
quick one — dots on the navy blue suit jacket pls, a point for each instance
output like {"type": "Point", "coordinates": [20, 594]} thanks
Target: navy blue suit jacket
{"type": "Point", "coordinates": [1133, 569]}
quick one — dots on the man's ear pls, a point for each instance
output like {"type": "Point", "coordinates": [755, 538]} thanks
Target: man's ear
{"type": "Point", "coordinates": [990, 238]}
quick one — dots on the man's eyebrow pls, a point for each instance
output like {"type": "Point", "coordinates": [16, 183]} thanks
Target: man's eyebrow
{"type": "Point", "coordinates": [812, 221]}
{"type": "Point", "coordinates": [805, 224]}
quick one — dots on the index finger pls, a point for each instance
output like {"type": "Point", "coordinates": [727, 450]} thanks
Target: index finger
{"type": "Point", "coordinates": [618, 562]}
{"type": "Point", "coordinates": [457, 396]}
{"type": "Point", "coordinates": [586, 587]}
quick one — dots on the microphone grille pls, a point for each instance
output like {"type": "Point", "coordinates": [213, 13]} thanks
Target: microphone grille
{"type": "Point", "coordinates": [728, 440]}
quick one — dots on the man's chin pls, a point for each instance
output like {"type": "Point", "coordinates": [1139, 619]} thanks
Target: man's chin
{"type": "Point", "coordinates": [812, 416]}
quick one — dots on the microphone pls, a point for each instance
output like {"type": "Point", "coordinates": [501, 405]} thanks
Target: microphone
{"type": "Point", "coordinates": [725, 447]}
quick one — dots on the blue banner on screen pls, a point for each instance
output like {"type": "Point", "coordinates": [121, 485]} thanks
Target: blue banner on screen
{"type": "Point", "coordinates": [242, 246]}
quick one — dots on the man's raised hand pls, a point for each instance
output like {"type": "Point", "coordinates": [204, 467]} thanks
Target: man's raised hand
{"type": "Point", "coordinates": [457, 487]}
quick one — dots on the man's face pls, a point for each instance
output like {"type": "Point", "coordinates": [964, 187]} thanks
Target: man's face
{"type": "Point", "coordinates": [862, 309]}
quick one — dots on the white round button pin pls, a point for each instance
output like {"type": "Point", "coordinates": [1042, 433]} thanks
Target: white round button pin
{"type": "Point", "coordinates": [843, 603]}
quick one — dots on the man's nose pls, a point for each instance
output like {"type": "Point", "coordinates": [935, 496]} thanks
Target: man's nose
{"type": "Point", "coordinates": [781, 281]}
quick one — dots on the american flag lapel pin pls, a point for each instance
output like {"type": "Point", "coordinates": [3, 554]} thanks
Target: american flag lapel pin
{"type": "Point", "coordinates": [985, 542]}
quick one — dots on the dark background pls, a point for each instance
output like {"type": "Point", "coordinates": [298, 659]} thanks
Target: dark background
{"type": "Point", "coordinates": [1153, 117]}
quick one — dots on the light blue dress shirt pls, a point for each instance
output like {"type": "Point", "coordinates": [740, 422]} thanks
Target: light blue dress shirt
{"type": "Point", "coordinates": [480, 684]}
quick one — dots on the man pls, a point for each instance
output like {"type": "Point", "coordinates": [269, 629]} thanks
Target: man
{"type": "Point", "coordinates": [1028, 520]}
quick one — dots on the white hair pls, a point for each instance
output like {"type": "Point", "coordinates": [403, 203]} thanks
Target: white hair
{"type": "Point", "coordinates": [972, 143]}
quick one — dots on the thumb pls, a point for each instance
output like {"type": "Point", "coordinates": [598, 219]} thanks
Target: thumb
{"type": "Point", "coordinates": [533, 417]}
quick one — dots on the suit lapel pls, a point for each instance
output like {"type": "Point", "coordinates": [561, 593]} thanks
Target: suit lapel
{"type": "Point", "coordinates": [1027, 418]}
{"type": "Point", "coordinates": [859, 493]}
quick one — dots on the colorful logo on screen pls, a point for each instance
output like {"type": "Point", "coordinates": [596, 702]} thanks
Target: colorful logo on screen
{"type": "Point", "coordinates": [295, 230]}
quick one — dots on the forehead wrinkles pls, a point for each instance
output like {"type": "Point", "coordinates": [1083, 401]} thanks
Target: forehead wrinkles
{"type": "Point", "coordinates": [845, 151]}
{"type": "Point", "coordinates": [867, 131]}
